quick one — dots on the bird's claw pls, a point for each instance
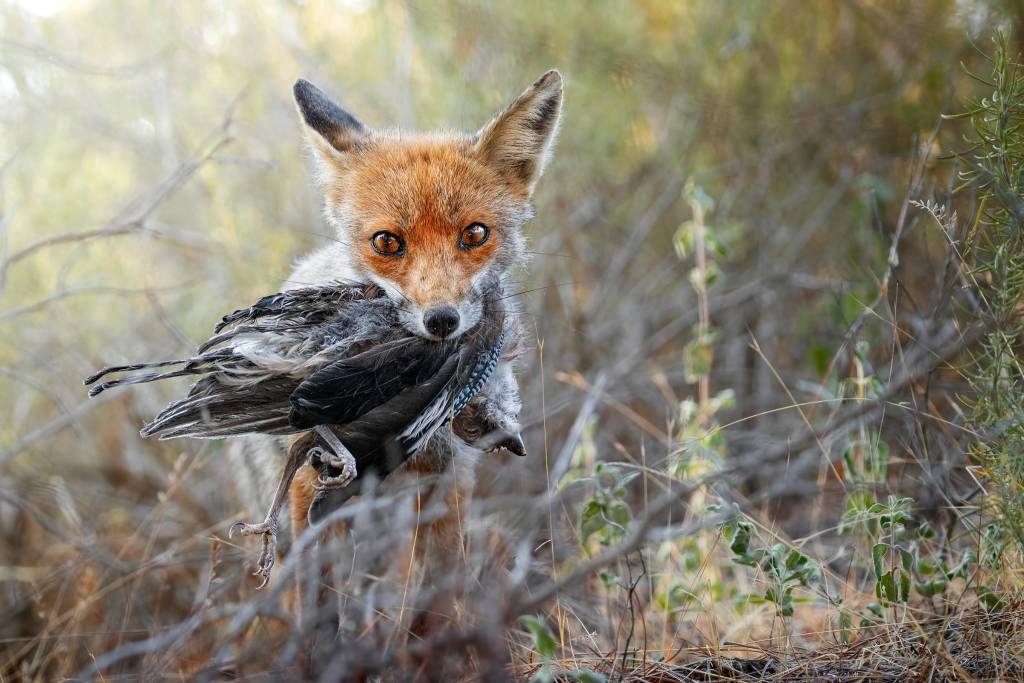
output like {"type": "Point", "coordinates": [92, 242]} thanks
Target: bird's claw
{"type": "Point", "coordinates": [325, 483]}
{"type": "Point", "coordinates": [267, 529]}
{"type": "Point", "coordinates": [344, 462]}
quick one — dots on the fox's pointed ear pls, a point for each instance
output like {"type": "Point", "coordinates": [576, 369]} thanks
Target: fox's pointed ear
{"type": "Point", "coordinates": [333, 131]}
{"type": "Point", "coordinates": [518, 141]}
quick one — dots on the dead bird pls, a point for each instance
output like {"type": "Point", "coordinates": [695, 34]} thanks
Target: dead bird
{"type": "Point", "coordinates": [335, 360]}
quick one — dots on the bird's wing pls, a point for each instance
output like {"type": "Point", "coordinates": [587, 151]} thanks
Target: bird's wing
{"type": "Point", "coordinates": [273, 317]}
{"type": "Point", "coordinates": [299, 306]}
{"type": "Point", "coordinates": [348, 389]}
{"type": "Point", "coordinates": [214, 408]}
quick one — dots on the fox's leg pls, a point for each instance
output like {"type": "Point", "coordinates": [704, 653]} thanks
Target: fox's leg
{"type": "Point", "coordinates": [438, 551]}
{"type": "Point", "coordinates": [300, 497]}
{"type": "Point", "coordinates": [313, 612]}
{"type": "Point", "coordinates": [268, 528]}
{"type": "Point", "coordinates": [303, 491]}
{"type": "Point", "coordinates": [434, 549]}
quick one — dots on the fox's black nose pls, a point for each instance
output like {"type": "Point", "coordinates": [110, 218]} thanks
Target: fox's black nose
{"type": "Point", "coordinates": [441, 321]}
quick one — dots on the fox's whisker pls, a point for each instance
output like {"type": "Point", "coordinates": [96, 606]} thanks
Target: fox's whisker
{"type": "Point", "coordinates": [551, 253]}
{"type": "Point", "coordinates": [542, 288]}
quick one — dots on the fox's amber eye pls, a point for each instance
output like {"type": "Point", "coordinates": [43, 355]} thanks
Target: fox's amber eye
{"type": "Point", "coordinates": [474, 235]}
{"type": "Point", "coordinates": [387, 243]}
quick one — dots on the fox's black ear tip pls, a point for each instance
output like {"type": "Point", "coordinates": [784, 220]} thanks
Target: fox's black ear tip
{"type": "Point", "coordinates": [552, 78]}
{"type": "Point", "coordinates": [303, 88]}
{"type": "Point", "coordinates": [305, 92]}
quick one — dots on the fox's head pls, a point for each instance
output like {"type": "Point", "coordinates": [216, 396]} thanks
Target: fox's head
{"type": "Point", "coordinates": [433, 219]}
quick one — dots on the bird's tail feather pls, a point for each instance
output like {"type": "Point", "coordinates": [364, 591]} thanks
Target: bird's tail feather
{"type": "Point", "coordinates": [243, 424]}
{"type": "Point", "coordinates": [91, 379]}
{"type": "Point", "coordinates": [200, 364]}
{"type": "Point", "coordinates": [213, 409]}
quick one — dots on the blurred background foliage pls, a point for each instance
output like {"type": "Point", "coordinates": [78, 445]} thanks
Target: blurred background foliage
{"type": "Point", "coordinates": [800, 118]}
{"type": "Point", "coordinates": [154, 177]}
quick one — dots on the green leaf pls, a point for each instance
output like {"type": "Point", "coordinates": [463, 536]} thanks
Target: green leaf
{"type": "Point", "coordinates": [821, 356]}
{"type": "Point", "coordinates": [675, 598]}
{"type": "Point", "coordinates": [698, 356]}
{"type": "Point", "coordinates": [695, 194]}
{"type": "Point", "coordinates": [885, 587]}
{"type": "Point", "coordinates": [878, 452]}
{"type": "Point", "coordinates": [545, 674]}
{"type": "Point", "coordinates": [737, 535]}
{"type": "Point", "coordinates": [877, 556]}
{"type": "Point", "coordinates": [683, 239]}
{"type": "Point", "coordinates": [849, 465]}
{"type": "Point", "coordinates": [588, 676]}
{"type": "Point", "coordinates": [628, 477]}
{"type": "Point", "coordinates": [724, 400]}
{"type": "Point", "coordinates": [543, 640]}
{"type": "Point", "coordinates": [906, 558]}
{"type": "Point", "coordinates": [620, 514]}
{"type": "Point", "coordinates": [609, 580]}
{"type": "Point", "coordinates": [990, 599]}
{"type": "Point", "coordinates": [962, 568]}
{"type": "Point", "coordinates": [795, 560]}
{"type": "Point", "coordinates": [930, 588]}
{"type": "Point", "coordinates": [747, 560]}
{"type": "Point", "coordinates": [592, 519]}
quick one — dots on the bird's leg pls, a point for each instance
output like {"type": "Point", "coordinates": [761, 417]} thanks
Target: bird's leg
{"type": "Point", "coordinates": [340, 459]}
{"type": "Point", "coordinates": [268, 528]}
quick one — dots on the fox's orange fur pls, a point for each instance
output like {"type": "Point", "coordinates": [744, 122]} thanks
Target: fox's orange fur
{"type": "Point", "coordinates": [426, 190]}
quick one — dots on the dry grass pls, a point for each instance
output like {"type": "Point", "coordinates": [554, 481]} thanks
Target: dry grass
{"type": "Point", "coordinates": [92, 599]}
{"type": "Point", "coordinates": [976, 645]}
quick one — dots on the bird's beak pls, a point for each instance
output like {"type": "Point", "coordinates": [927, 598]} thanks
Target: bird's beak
{"type": "Point", "coordinates": [502, 438]}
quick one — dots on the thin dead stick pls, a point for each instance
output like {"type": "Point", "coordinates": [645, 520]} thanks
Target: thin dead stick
{"type": "Point", "coordinates": [85, 291]}
{"type": "Point", "coordinates": [120, 71]}
{"type": "Point", "coordinates": [577, 380]}
{"type": "Point", "coordinates": [564, 458]}
{"type": "Point", "coordinates": [50, 428]}
{"type": "Point", "coordinates": [146, 202]}
{"type": "Point", "coordinates": [84, 236]}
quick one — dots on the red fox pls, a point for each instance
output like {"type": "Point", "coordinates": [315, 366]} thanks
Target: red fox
{"type": "Point", "coordinates": [435, 220]}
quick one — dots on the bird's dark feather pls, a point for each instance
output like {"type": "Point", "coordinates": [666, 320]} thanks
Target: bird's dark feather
{"type": "Point", "coordinates": [309, 303]}
{"type": "Point", "coordinates": [351, 387]}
